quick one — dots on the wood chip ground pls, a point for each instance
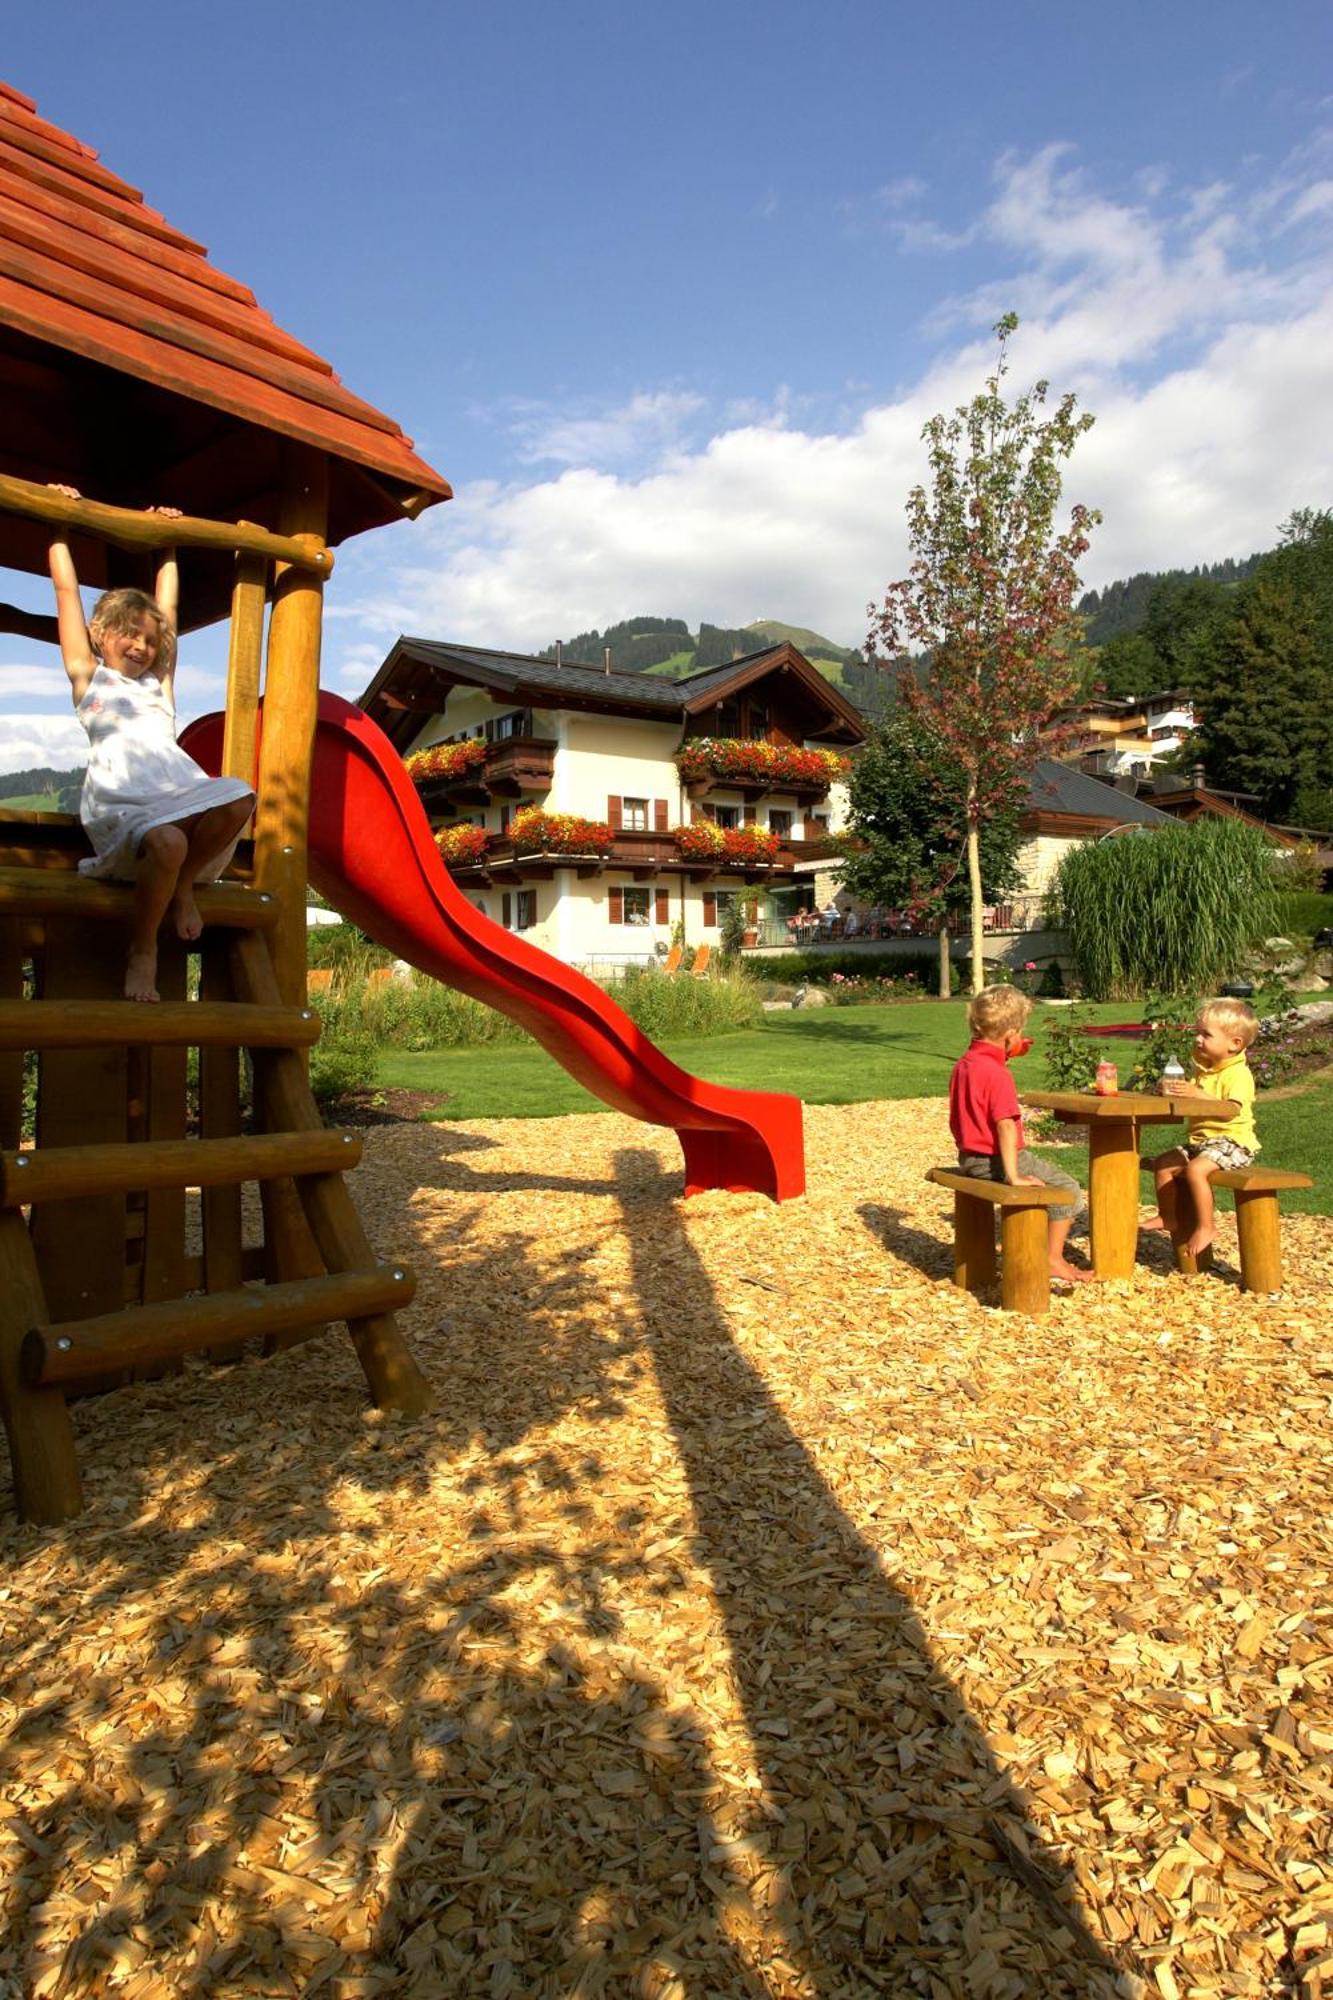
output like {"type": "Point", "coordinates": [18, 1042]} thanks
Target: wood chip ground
{"type": "Point", "coordinates": [754, 1615]}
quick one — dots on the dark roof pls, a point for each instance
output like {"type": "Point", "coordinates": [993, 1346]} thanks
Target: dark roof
{"type": "Point", "coordinates": [1064, 789]}
{"type": "Point", "coordinates": [132, 369]}
{"type": "Point", "coordinates": [417, 674]}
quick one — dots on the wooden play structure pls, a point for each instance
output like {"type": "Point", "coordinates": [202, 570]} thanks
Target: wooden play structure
{"type": "Point", "coordinates": [134, 371]}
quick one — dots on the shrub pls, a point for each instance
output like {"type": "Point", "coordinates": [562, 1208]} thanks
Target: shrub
{"type": "Point", "coordinates": [664, 1006]}
{"type": "Point", "coordinates": [1068, 1055]}
{"type": "Point", "coordinates": [1170, 1038]}
{"type": "Point", "coordinates": [816, 968]}
{"type": "Point", "coordinates": [343, 1064]}
{"type": "Point", "coordinates": [1175, 910]}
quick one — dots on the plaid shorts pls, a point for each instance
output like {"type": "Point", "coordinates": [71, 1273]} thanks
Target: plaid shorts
{"type": "Point", "coordinates": [1228, 1155]}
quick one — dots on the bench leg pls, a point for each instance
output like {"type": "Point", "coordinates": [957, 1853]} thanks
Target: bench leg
{"type": "Point", "coordinates": [1260, 1243]}
{"type": "Point", "coordinates": [973, 1242]}
{"type": "Point", "coordinates": [1025, 1274]}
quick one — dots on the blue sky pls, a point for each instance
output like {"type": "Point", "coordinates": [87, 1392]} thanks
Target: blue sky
{"type": "Point", "coordinates": [667, 293]}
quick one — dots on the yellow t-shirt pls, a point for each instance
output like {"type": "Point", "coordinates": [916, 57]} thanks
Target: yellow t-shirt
{"type": "Point", "coordinates": [1234, 1079]}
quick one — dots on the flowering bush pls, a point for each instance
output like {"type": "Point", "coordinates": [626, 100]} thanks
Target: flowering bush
{"type": "Point", "coordinates": [758, 763]}
{"type": "Point", "coordinates": [534, 831]}
{"type": "Point", "coordinates": [462, 846]}
{"type": "Point", "coordinates": [854, 989]}
{"type": "Point", "coordinates": [748, 843]}
{"type": "Point", "coordinates": [700, 842]}
{"type": "Point", "coordinates": [446, 760]}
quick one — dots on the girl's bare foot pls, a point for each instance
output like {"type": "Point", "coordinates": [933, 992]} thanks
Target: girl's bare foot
{"type": "Point", "coordinates": [141, 976]}
{"type": "Point", "coordinates": [185, 915]}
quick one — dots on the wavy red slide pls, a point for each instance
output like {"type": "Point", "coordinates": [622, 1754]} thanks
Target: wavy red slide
{"type": "Point", "coordinates": [373, 858]}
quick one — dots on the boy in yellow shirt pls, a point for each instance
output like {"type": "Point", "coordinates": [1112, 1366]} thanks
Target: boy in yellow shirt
{"type": "Point", "coordinates": [1222, 1033]}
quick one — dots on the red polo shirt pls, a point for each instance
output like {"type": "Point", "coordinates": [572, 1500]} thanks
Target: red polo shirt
{"type": "Point", "coordinates": [981, 1091]}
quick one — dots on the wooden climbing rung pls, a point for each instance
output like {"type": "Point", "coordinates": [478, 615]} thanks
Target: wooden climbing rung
{"type": "Point", "coordinates": [61, 892]}
{"type": "Point", "coordinates": [167, 1024]}
{"type": "Point", "coordinates": [71, 1351]}
{"type": "Point", "coordinates": [68, 1173]}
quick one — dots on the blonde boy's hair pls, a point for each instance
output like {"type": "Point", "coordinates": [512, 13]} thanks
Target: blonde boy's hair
{"type": "Point", "coordinates": [997, 1011]}
{"type": "Point", "coordinates": [1237, 1017]}
{"type": "Point", "coordinates": [120, 611]}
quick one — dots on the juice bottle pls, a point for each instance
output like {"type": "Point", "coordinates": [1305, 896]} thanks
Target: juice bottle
{"type": "Point", "coordinates": [1107, 1083]}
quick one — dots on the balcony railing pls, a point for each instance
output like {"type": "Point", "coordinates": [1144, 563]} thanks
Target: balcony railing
{"type": "Point", "coordinates": [1017, 914]}
{"type": "Point", "coordinates": [644, 856]}
{"type": "Point", "coordinates": [517, 767]}
{"type": "Point", "coordinates": [757, 769]}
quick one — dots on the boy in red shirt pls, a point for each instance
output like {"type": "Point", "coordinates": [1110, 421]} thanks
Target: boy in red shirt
{"type": "Point", "coordinates": [987, 1124]}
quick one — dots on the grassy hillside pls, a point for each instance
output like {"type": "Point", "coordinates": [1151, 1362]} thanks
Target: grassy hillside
{"type": "Point", "coordinates": [821, 652]}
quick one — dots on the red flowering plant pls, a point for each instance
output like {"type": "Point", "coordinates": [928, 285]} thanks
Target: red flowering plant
{"type": "Point", "coordinates": [446, 760]}
{"type": "Point", "coordinates": [462, 846]}
{"type": "Point", "coordinates": [751, 763]}
{"type": "Point", "coordinates": [701, 842]}
{"type": "Point", "coordinates": [535, 832]}
{"type": "Point", "coordinates": [752, 844]}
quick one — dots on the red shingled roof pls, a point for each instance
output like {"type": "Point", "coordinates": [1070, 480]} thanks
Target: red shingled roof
{"type": "Point", "coordinates": [89, 269]}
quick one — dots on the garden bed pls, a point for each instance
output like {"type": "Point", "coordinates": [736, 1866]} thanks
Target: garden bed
{"type": "Point", "coordinates": [755, 1614]}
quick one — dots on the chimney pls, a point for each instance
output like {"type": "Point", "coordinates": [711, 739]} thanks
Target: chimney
{"type": "Point", "coordinates": [1197, 778]}
{"type": "Point", "coordinates": [606, 659]}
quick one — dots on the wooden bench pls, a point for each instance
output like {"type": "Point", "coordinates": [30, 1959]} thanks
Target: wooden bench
{"type": "Point", "coordinates": [1256, 1190]}
{"type": "Point", "coordinates": [1025, 1275]}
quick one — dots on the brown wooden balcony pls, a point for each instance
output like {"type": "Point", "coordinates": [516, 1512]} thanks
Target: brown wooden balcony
{"type": "Point", "coordinates": [643, 856]}
{"type": "Point", "coordinates": [517, 767]}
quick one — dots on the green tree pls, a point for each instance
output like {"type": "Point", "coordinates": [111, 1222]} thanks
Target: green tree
{"type": "Point", "coordinates": [1263, 679]}
{"type": "Point", "coordinates": [1128, 664]}
{"type": "Point", "coordinates": [990, 595]}
{"type": "Point", "coordinates": [907, 831]}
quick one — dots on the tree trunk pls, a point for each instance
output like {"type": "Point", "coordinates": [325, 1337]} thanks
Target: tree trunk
{"type": "Point", "coordinates": [946, 977]}
{"type": "Point", "coordinates": [974, 884]}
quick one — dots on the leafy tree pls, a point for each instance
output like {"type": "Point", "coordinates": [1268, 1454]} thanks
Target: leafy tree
{"type": "Point", "coordinates": [1128, 664]}
{"type": "Point", "coordinates": [990, 595]}
{"type": "Point", "coordinates": [1263, 678]}
{"type": "Point", "coordinates": [907, 824]}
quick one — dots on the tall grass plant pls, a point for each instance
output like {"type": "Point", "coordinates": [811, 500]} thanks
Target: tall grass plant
{"type": "Point", "coordinates": [1174, 911]}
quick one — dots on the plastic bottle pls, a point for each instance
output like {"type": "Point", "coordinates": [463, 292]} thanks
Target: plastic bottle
{"type": "Point", "coordinates": [1173, 1073]}
{"type": "Point", "coordinates": [1107, 1083]}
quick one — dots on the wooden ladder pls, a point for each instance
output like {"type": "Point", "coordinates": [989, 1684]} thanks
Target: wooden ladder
{"type": "Point", "coordinates": [96, 1284]}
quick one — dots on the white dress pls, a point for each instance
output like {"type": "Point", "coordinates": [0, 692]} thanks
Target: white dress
{"type": "Point", "coordinates": [138, 776]}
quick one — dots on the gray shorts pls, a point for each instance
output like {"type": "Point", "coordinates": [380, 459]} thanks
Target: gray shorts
{"type": "Point", "coordinates": [1229, 1156]}
{"type": "Point", "coordinates": [990, 1167]}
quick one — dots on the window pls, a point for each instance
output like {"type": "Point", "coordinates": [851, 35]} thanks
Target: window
{"type": "Point", "coordinates": [728, 718]}
{"type": "Point", "coordinates": [757, 727]}
{"type": "Point", "coordinates": [780, 823]}
{"type": "Point", "coordinates": [525, 914]}
{"type": "Point", "coordinates": [727, 815]}
{"type": "Point", "coordinates": [636, 904]}
{"type": "Point", "coordinates": [634, 815]}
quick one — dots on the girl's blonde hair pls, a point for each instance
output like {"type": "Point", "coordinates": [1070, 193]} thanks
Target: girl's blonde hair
{"type": "Point", "coordinates": [120, 611]}
{"type": "Point", "coordinates": [1237, 1017]}
{"type": "Point", "coordinates": [997, 1011]}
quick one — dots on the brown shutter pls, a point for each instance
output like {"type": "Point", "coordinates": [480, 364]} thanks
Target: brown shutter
{"type": "Point", "coordinates": [659, 815]}
{"type": "Point", "coordinates": [696, 813]}
{"type": "Point", "coordinates": [617, 898]}
{"type": "Point", "coordinates": [663, 911]}
{"type": "Point", "coordinates": [751, 815]}
{"type": "Point", "coordinates": [710, 906]}
{"type": "Point", "coordinates": [506, 909]}
{"type": "Point", "coordinates": [615, 814]}
{"type": "Point", "coordinates": [504, 819]}
{"type": "Point", "coordinates": [811, 828]}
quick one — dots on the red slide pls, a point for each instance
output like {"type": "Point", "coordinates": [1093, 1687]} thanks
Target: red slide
{"type": "Point", "coordinates": [373, 858]}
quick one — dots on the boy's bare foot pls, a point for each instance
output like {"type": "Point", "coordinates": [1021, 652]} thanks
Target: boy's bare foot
{"type": "Point", "coordinates": [1201, 1240]}
{"type": "Point", "coordinates": [185, 916]}
{"type": "Point", "coordinates": [1072, 1273]}
{"type": "Point", "coordinates": [141, 976]}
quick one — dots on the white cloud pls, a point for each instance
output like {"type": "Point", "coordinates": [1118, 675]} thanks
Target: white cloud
{"type": "Point", "coordinates": [640, 429]}
{"type": "Point", "coordinates": [30, 740]}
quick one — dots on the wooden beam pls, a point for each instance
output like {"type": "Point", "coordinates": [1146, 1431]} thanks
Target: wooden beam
{"type": "Point", "coordinates": [128, 528]}
{"type": "Point", "coordinates": [122, 1024]}
{"type": "Point", "coordinates": [245, 654]}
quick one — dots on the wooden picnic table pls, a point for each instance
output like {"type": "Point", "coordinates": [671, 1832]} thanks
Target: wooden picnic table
{"type": "Point", "coordinates": [1113, 1157]}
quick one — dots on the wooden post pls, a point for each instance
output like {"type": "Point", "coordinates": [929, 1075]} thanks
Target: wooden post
{"type": "Point", "coordinates": [41, 1438]}
{"type": "Point", "coordinates": [244, 660]}
{"type": "Point", "coordinates": [1260, 1240]}
{"type": "Point", "coordinates": [11, 1060]}
{"type": "Point", "coordinates": [291, 693]}
{"type": "Point", "coordinates": [1025, 1276]}
{"type": "Point", "coordinates": [973, 1242]}
{"type": "Point", "coordinates": [1113, 1196]}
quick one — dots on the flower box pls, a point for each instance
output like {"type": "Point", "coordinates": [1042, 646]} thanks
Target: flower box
{"type": "Point", "coordinates": [567, 835]}
{"type": "Point", "coordinates": [462, 846]}
{"type": "Point", "coordinates": [775, 766]}
{"type": "Point", "coordinates": [447, 760]}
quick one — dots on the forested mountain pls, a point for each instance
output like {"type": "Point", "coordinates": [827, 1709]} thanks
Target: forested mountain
{"type": "Point", "coordinates": [667, 646]}
{"type": "Point", "coordinates": [42, 789]}
{"type": "Point", "coordinates": [1123, 605]}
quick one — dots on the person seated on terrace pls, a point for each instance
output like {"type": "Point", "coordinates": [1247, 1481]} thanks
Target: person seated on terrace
{"type": "Point", "coordinates": [852, 925]}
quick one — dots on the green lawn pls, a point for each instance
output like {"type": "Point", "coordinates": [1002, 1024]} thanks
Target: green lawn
{"type": "Point", "coordinates": [838, 1055]}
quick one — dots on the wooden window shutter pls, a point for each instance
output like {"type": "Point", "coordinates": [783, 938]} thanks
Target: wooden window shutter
{"type": "Point", "coordinates": [811, 828]}
{"type": "Point", "coordinates": [617, 899]}
{"type": "Point", "coordinates": [504, 819]}
{"type": "Point", "coordinates": [696, 813]}
{"type": "Point", "coordinates": [663, 910]}
{"type": "Point", "coordinates": [659, 815]}
{"type": "Point", "coordinates": [710, 906]}
{"type": "Point", "coordinates": [506, 909]}
{"type": "Point", "coordinates": [751, 815]}
{"type": "Point", "coordinates": [615, 813]}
